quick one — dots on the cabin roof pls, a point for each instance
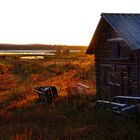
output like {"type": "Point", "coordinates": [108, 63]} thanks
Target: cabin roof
{"type": "Point", "coordinates": [126, 25]}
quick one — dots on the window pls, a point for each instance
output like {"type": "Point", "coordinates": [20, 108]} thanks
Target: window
{"type": "Point", "coordinates": [115, 49]}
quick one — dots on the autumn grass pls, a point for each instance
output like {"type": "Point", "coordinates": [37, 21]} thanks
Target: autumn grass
{"type": "Point", "coordinates": [47, 121]}
{"type": "Point", "coordinates": [71, 117]}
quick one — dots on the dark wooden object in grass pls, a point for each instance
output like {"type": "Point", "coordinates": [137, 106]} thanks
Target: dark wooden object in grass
{"type": "Point", "coordinates": [46, 93]}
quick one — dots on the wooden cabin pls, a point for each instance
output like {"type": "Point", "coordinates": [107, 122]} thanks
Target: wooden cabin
{"type": "Point", "coordinates": [116, 46]}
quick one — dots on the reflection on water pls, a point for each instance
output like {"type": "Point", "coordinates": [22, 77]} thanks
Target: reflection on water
{"type": "Point", "coordinates": [32, 57]}
{"type": "Point", "coordinates": [31, 54]}
{"type": "Point", "coordinates": [36, 52]}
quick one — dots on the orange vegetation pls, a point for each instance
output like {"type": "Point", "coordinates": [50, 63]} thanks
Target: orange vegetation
{"type": "Point", "coordinates": [20, 104]}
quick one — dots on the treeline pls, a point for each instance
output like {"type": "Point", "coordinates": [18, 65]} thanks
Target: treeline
{"type": "Point", "coordinates": [39, 47]}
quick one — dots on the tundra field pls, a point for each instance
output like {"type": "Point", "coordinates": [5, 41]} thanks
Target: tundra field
{"type": "Point", "coordinates": [71, 117]}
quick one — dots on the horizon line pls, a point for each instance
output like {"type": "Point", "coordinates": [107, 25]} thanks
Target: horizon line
{"type": "Point", "coordinates": [18, 44]}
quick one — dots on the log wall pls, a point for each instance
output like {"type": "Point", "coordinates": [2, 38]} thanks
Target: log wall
{"type": "Point", "coordinates": [116, 75]}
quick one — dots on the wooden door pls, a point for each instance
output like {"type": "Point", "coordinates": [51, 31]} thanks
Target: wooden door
{"type": "Point", "coordinates": [104, 82]}
{"type": "Point", "coordinates": [115, 83]}
{"type": "Point", "coordinates": [125, 83]}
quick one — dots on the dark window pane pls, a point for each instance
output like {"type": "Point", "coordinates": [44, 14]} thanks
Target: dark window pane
{"type": "Point", "coordinates": [115, 50]}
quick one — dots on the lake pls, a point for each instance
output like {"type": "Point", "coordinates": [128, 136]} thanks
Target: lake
{"type": "Point", "coordinates": [36, 52]}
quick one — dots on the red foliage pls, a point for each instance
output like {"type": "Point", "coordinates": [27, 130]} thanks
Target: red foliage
{"type": "Point", "coordinates": [7, 81]}
{"type": "Point", "coordinates": [4, 69]}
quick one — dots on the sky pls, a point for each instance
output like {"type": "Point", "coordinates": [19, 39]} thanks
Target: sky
{"type": "Point", "coordinates": [67, 22]}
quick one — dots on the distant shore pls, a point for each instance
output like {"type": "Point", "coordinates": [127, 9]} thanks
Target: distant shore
{"type": "Point", "coordinates": [39, 47]}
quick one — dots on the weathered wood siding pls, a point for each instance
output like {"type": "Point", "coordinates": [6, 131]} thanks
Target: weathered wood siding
{"type": "Point", "coordinates": [115, 76]}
